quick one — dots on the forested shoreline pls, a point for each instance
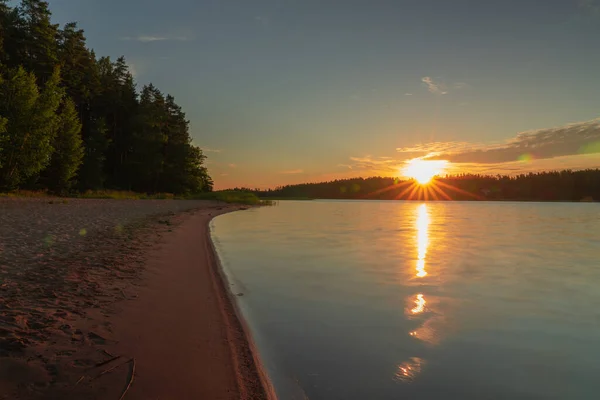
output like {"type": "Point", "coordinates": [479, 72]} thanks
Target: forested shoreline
{"type": "Point", "coordinates": [564, 185]}
{"type": "Point", "coordinates": [71, 121]}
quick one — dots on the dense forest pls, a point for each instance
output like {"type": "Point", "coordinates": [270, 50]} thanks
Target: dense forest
{"type": "Point", "coordinates": [70, 120]}
{"type": "Point", "coordinates": [544, 186]}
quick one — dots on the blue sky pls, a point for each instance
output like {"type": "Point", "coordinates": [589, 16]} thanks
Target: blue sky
{"type": "Point", "coordinates": [285, 91]}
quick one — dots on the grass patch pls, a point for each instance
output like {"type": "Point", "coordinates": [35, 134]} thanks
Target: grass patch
{"type": "Point", "coordinates": [26, 193]}
{"type": "Point", "coordinates": [286, 198]}
{"type": "Point", "coordinates": [123, 195]}
{"type": "Point", "coordinates": [91, 194]}
{"type": "Point", "coordinates": [231, 196]}
{"type": "Point", "coordinates": [227, 196]}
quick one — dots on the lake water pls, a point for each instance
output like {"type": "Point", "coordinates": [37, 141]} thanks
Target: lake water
{"type": "Point", "coordinates": [409, 300]}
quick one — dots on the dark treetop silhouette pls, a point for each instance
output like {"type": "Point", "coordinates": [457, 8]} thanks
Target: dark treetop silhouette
{"type": "Point", "coordinates": [544, 186]}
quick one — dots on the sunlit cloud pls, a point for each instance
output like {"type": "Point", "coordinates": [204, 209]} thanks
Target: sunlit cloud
{"type": "Point", "coordinates": [574, 146]}
{"type": "Point", "coordinates": [527, 165]}
{"type": "Point", "coordinates": [434, 87]}
{"type": "Point", "coordinates": [439, 87]}
{"type": "Point", "coordinates": [433, 148]}
{"type": "Point", "coordinates": [379, 165]}
{"type": "Point", "coordinates": [345, 166]}
{"type": "Point", "coordinates": [573, 139]}
{"type": "Point", "coordinates": [232, 165]}
{"type": "Point", "coordinates": [293, 171]}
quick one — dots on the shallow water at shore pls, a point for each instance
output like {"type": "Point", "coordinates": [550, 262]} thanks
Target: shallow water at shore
{"type": "Point", "coordinates": [386, 300]}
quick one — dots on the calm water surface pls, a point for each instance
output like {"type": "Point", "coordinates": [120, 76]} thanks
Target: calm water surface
{"type": "Point", "coordinates": [407, 300]}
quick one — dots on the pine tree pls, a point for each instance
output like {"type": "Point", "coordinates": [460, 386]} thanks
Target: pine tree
{"type": "Point", "coordinates": [78, 67]}
{"type": "Point", "coordinates": [117, 103]}
{"type": "Point", "coordinates": [91, 173]}
{"type": "Point", "coordinates": [38, 47]}
{"type": "Point", "coordinates": [68, 151]}
{"type": "Point", "coordinates": [175, 148]}
{"type": "Point", "coordinates": [195, 173]}
{"type": "Point", "coordinates": [3, 136]}
{"type": "Point", "coordinates": [183, 163]}
{"type": "Point", "coordinates": [149, 140]}
{"type": "Point", "coordinates": [31, 125]}
{"type": "Point", "coordinates": [10, 28]}
{"type": "Point", "coordinates": [4, 19]}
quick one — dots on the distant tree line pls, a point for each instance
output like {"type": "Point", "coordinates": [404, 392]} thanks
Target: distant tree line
{"type": "Point", "coordinates": [544, 186]}
{"type": "Point", "coordinates": [72, 121]}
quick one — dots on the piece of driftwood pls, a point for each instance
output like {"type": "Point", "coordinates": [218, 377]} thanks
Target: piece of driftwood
{"type": "Point", "coordinates": [106, 371]}
{"type": "Point", "coordinates": [107, 353]}
{"type": "Point", "coordinates": [131, 374]}
{"type": "Point", "coordinates": [100, 364]}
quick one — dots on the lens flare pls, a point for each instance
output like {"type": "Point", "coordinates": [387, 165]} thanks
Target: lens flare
{"type": "Point", "coordinates": [423, 171]}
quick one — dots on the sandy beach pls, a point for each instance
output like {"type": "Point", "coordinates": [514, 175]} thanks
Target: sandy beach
{"type": "Point", "coordinates": [105, 299]}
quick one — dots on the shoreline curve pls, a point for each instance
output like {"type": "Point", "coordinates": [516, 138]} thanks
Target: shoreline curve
{"type": "Point", "coordinates": [183, 328]}
{"type": "Point", "coordinates": [234, 317]}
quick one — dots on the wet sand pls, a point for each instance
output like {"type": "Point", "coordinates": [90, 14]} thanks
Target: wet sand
{"type": "Point", "coordinates": [133, 305]}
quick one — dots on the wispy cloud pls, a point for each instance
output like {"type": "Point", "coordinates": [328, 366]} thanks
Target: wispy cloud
{"type": "Point", "coordinates": [435, 148]}
{"type": "Point", "coordinates": [232, 165]}
{"type": "Point", "coordinates": [434, 87]}
{"type": "Point", "coordinates": [439, 87]}
{"type": "Point", "coordinates": [375, 165]}
{"type": "Point", "coordinates": [569, 140]}
{"type": "Point", "coordinates": [154, 38]}
{"type": "Point", "coordinates": [293, 171]}
{"type": "Point", "coordinates": [345, 166]}
{"type": "Point", "coordinates": [408, 94]}
{"type": "Point", "coordinates": [572, 146]}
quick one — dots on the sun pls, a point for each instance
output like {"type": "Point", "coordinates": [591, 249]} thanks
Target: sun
{"type": "Point", "coordinates": [423, 171]}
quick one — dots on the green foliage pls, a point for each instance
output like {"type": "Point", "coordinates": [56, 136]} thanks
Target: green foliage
{"type": "Point", "coordinates": [91, 173]}
{"type": "Point", "coordinates": [286, 198]}
{"type": "Point", "coordinates": [68, 151]}
{"type": "Point", "coordinates": [25, 193]}
{"type": "Point", "coordinates": [104, 136]}
{"type": "Point", "coordinates": [31, 125]}
{"type": "Point", "coordinates": [3, 136]}
{"type": "Point", "coordinates": [231, 196]}
{"type": "Point", "coordinates": [124, 195]}
{"type": "Point", "coordinates": [38, 50]}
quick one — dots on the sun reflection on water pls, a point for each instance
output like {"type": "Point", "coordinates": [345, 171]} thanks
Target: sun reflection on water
{"type": "Point", "coordinates": [408, 370]}
{"type": "Point", "coordinates": [423, 221]}
{"type": "Point", "coordinates": [419, 304]}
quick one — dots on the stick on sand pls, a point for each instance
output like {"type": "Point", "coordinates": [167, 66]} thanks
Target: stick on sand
{"type": "Point", "coordinates": [131, 374]}
{"type": "Point", "coordinates": [106, 371]}
{"type": "Point", "coordinates": [107, 361]}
